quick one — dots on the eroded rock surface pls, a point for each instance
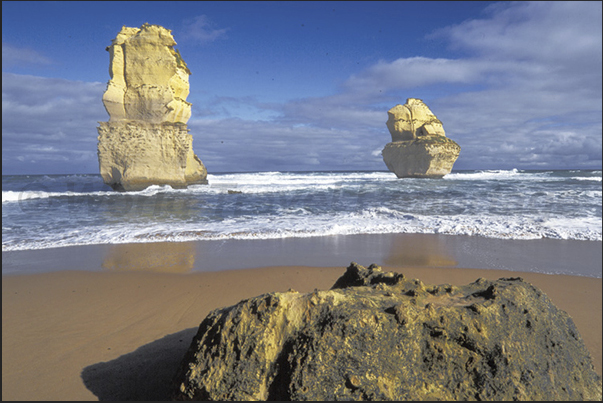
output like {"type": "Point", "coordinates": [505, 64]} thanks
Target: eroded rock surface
{"type": "Point", "coordinates": [419, 147]}
{"type": "Point", "coordinates": [146, 141]}
{"type": "Point", "coordinates": [381, 336]}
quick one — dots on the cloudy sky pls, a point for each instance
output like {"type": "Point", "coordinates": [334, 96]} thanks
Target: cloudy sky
{"type": "Point", "coordinates": [301, 86]}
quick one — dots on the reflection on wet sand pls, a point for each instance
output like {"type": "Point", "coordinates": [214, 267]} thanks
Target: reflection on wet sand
{"type": "Point", "coordinates": [165, 257]}
{"type": "Point", "coordinates": [419, 250]}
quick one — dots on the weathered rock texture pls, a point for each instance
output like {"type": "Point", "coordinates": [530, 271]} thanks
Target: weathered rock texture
{"type": "Point", "coordinates": [419, 147]}
{"type": "Point", "coordinates": [381, 336]}
{"type": "Point", "coordinates": [146, 141]}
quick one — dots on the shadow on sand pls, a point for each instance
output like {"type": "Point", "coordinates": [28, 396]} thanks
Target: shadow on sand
{"type": "Point", "coordinates": [144, 374]}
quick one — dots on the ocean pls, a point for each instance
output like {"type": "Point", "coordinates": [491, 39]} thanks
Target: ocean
{"type": "Point", "coordinates": [54, 211]}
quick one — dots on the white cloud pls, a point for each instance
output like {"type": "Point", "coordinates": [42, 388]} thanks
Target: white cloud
{"type": "Point", "coordinates": [18, 56]}
{"type": "Point", "coordinates": [202, 30]}
{"type": "Point", "coordinates": [49, 124]}
{"type": "Point", "coordinates": [532, 71]}
{"type": "Point", "coordinates": [513, 99]}
{"type": "Point", "coordinates": [559, 31]}
{"type": "Point", "coordinates": [332, 112]}
{"type": "Point", "coordinates": [414, 72]}
{"type": "Point", "coordinates": [243, 145]}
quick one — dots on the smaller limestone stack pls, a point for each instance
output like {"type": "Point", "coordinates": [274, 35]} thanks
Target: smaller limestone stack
{"type": "Point", "coordinates": [146, 141]}
{"type": "Point", "coordinates": [419, 147]}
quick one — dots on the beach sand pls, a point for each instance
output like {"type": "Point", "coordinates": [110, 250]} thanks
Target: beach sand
{"type": "Point", "coordinates": [111, 335]}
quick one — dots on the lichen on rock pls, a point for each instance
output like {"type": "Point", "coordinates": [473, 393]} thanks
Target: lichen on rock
{"type": "Point", "coordinates": [381, 336]}
{"type": "Point", "coordinates": [146, 141]}
{"type": "Point", "coordinates": [419, 147]}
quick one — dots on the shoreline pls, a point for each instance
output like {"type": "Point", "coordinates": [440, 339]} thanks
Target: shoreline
{"type": "Point", "coordinates": [111, 335]}
{"type": "Point", "coordinates": [551, 256]}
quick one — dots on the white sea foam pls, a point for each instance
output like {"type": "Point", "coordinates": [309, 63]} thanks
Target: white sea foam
{"type": "Point", "coordinates": [507, 204]}
{"type": "Point", "coordinates": [262, 182]}
{"type": "Point", "coordinates": [300, 223]}
{"type": "Point", "coordinates": [266, 182]}
{"type": "Point", "coordinates": [483, 175]}
{"type": "Point", "coordinates": [9, 196]}
{"type": "Point", "coordinates": [273, 182]}
{"type": "Point", "coordinates": [503, 175]}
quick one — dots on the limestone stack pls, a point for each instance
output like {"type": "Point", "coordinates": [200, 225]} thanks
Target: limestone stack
{"type": "Point", "coordinates": [419, 147]}
{"type": "Point", "coordinates": [146, 141]}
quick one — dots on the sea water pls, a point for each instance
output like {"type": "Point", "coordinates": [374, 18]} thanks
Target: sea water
{"type": "Point", "coordinates": [49, 211]}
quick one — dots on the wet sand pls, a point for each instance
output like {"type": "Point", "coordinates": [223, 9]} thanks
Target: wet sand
{"type": "Point", "coordinates": [552, 256]}
{"type": "Point", "coordinates": [118, 332]}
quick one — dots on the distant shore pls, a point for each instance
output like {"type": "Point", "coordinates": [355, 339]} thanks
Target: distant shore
{"type": "Point", "coordinates": [116, 327]}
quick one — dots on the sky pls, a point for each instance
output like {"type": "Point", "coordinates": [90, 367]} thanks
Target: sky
{"type": "Point", "coordinates": [306, 86]}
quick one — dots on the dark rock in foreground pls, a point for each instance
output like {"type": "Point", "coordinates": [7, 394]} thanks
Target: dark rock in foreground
{"type": "Point", "coordinates": [381, 336]}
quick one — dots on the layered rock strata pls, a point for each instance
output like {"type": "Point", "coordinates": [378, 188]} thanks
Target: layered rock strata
{"type": "Point", "coordinates": [381, 336]}
{"type": "Point", "coordinates": [419, 147]}
{"type": "Point", "coordinates": [146, 141]}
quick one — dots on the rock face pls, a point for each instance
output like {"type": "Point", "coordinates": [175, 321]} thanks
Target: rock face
{"type": "Point", "coordinates": [419, 147]}
{"type": "Point", "coordinates": [381, 336]}
{"type": "Point", "coordinates": [146, 141]}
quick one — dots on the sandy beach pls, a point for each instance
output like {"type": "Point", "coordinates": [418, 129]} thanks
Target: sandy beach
{"type": "Point", "coordinates": [119, 335]}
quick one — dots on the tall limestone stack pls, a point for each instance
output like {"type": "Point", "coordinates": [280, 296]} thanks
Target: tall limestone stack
{"type": "Point", "coordinates": [146, 141]}
{"type": "Point", "coordinates": [419, 147]}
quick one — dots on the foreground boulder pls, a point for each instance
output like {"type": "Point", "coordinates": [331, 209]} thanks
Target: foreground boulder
{"type": "Point", "coordinates": [381, 336]}
{"type": "Point", "coordinates": [146, 141]}
{"type": "Point", "coordinates": [419, 147]}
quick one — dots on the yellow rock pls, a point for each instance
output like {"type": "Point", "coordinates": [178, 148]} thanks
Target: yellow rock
{"type": "Point", "coordinates": [400, 123]}
{"type": "Point", "coordinates": [424, 157]}
{"type": "Point", "coordinates": [146, 141]}
{"type": "Point", "coordinates": [134, 155]}
{"type": "Point", "coordinates": [419, 146]}
{"type": "Point", "coordinates": [413, 119]}
{"type": "Point", "coordinates": [156, 77]}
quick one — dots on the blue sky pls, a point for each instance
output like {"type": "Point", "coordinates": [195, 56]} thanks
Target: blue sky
{"type": "Point", "coordinates": [300, 86]}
